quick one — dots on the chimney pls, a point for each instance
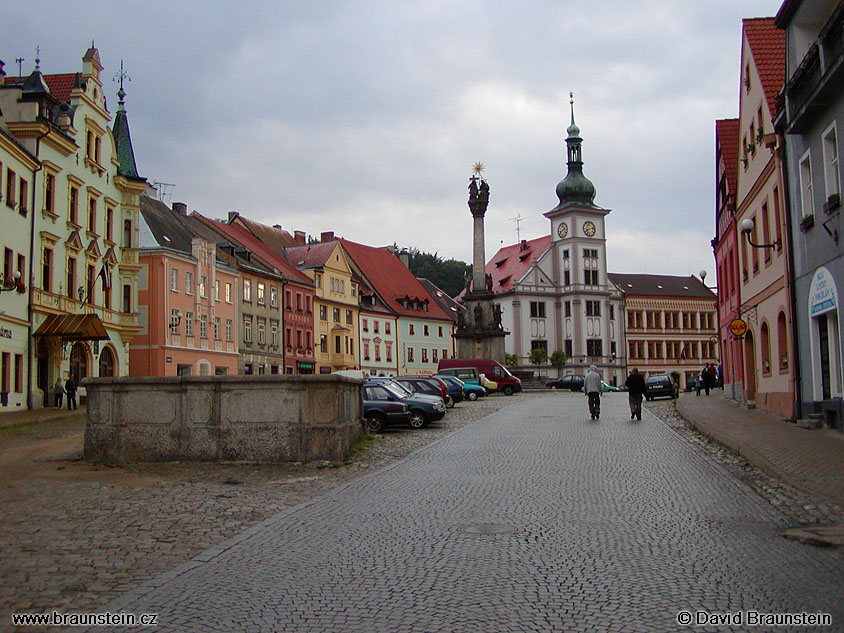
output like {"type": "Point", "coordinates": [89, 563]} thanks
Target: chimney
{"type": "Point", "coordinates": [404, 256]}
{"type": "Point", "coordinates": [180, 207]}
{"type": "Point", "coordinates": [299, 238]}
{"type": "Point", "coordinates": [524, 245]}
{"type": "Point", "coordinates": [232, 216]}
{"type": "Point", "coordinates": [326, 236]}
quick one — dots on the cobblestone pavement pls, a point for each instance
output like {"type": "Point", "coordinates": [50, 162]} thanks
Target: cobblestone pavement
{"type": "Point", "coordinates": [801, 507]}
{"type": "Point", "coordinates": [75, 535]}
{"type": "Point", "coordinates": [536, 519]}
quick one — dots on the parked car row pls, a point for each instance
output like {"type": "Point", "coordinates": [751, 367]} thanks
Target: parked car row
{"type": "Point", "coordinates": [415, 401]}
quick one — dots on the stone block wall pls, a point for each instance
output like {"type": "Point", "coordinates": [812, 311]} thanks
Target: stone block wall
{"type": "Point", "coordinates": [222, 418]}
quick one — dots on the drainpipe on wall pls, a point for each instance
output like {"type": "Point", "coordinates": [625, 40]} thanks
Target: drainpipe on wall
{"type": "Point", "coordinates": [29, 352]}
{"type": "Point", "coordinates": [283, 330]}
{"type": "Point", "coordinates": [789, 280]}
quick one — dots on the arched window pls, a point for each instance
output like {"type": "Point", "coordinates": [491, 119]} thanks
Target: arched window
{"type": "Point", "coordinates": [78, 362]}
{"type": "Point", "coordinates": [765, 348]}
{"type": "Point", "coordinates": [782, 341]}
{"type": "Point", "coordinates": [106, 363]}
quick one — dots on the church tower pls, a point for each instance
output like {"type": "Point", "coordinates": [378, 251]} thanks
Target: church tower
{"type": "Point", "coordinates": [586, 320]}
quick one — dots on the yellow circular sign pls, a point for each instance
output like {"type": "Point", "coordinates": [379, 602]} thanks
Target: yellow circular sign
{"type": "Point", "coordinates": [738, 327]}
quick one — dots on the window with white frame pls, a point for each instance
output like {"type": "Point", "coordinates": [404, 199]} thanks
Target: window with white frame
{"type": "Point", "coordinates": [806, 203]}
{"type": "Point", "coordinates": [261, 290]}
{"type": "Point", "coordinates": [188, 323]}
{"type": "Point", "coordinates": [831, 166]}
{"type": "Point", "coordinates": [189, 283]}
{"type": "Point", "coordinates": [203, 284]}
{"type": "Point", "coordinates": [216, 290]}
{"type": "Point", "coordinates": [228, 292]}
{"type": "Point", "coordinates": [229, 327]}
{"type": "Point", "coordinates": [247, 290]}
{"type": "Point", "coordinates": [261, 332]}
{"type": "Point", "coordinates": [174, 279]}
{"type": "Point", "coordinates": [203, 326]}
{"type": "Point", "coordinates": [247, 329]}
{"type": "Point", "coordinates": [273, 297]}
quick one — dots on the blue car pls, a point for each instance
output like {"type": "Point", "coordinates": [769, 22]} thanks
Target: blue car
{"type": "Point", "coordinates": [470, 391]}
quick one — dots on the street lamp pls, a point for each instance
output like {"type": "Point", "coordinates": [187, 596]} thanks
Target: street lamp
{"type": "Point", "coordinates": [12, 284]}
{"type": "Point", "coordinates": [746, 226]}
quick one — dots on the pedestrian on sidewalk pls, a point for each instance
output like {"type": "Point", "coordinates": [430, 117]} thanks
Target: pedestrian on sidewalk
{"type": "Point", "coordinates": [58, 392]}
{"type": "Point", "coordinates": [70, 388]}
{"type": "Point", "coordinates": [708, 376]}
{"type": "Point", "coordinates": [635, 391]}
{"type": "Point", "coordinates": [698, 383]}
{"type": "Point", "coordinates": [592, 387]}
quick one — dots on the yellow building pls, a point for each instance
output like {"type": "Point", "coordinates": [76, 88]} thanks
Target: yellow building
{"type": "Point", "coordinates": [335, 303]}
{"type": "Point", "coordinates": [83, 211]}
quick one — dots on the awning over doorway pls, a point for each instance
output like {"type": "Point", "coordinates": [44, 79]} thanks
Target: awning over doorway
{"type": "Point", "coordinates": [79, 327]}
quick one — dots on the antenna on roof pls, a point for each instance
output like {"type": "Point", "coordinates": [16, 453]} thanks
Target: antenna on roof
{"type": "Point", "coordinates": [20, 61]}
{"type": "Point", "coordinates": [518, 219]}
{"type": "Point", "coordinates": [165, 191]}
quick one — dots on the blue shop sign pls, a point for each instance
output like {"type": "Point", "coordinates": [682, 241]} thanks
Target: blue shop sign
{"type": "Point", "coordinates": [823, 294]}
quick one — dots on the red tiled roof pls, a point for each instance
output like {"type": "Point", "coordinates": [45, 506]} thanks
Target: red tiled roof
{"type": "Point", "coordinates": [726, 138]}
{"type": "Point", "coordinates": [61, 85]}
{"type": "Point", "coordinates": [510, 263]}
{"type": "Point", "coordinates": [310, 256]}
{"type": "Point", "coordinates": [241, 235]}
{"type": "Point", "coordinates": [392, 280]}
{"type": "Point", "coordinates": [767, 45]}
{"type": "Point", "coordinates": [660, 285]}
{"type": "Point", "coordinates": [274, 237]}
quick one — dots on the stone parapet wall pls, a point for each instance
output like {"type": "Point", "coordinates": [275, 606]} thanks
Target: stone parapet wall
{"type": "Point", "coordinates": [222, 418]}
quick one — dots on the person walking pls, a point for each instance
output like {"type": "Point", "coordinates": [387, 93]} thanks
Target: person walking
{"type": "Point", "coordinates": [635, 384]}
{"type": "Point", "coordinates": [70, 388]}
{"type": "Point", "coordinates": [592, 388]}
{"type": "Point", "coordinates": [707, 375]}
{"type": "Point", "coordinates": [58, 392]}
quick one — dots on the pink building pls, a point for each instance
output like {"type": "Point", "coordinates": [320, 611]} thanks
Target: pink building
{"type": "Point", "coordinates": [726, 256]}
{"type": "Point", "coordinates": [187, 299]}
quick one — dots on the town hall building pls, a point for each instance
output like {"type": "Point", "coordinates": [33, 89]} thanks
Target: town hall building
{"type": "Point", "coordinates": [555, 293]}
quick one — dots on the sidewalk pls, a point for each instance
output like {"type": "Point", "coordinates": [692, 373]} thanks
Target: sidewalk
{"type": "Point", "coordinates": [809, 459]}
{"type": "Point", "coordinates": [30, 416]}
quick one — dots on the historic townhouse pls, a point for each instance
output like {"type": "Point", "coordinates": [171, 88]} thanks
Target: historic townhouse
{"type": "Point", "coordinates": [377, 317]}
{"type": "Point", "coordinates": [335, 302]}
{"type": "Point", "coordinates": [451, 307]}
{"type": "Point", "coordinates": [813, 110]}
{"type": "Point", "coordinates": [276, 301]}
{"type": "Point", "coordinates": [83, 208]}
{"type": "Point", "coordinates": [727, 265]}
{"type": "Point", "coordinates": [670, 324]}
{"type": "Point", "coordinates": [402, 329]}
{"type": "Point", "coordinates": [554, 292]}
{"type": "Point", "coordinates": [763, 253]}
{"type": "Point", "coordinates": [187, 297]}
{"type": "Point", "coordinates": [18, 169]}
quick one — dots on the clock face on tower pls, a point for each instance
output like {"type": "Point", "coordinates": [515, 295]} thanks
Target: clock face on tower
{"type": "Point", "coordinates": [563, 230]}
{"type": "Point", "coordinates": [589, 229]}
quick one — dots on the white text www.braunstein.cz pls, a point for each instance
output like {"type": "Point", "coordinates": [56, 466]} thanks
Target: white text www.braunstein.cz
{"type": "Point", "coordinates": [54, 618]}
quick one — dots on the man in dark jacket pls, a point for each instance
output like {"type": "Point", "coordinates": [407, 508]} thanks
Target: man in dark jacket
{"type": "Point", "coordinates": [635, 390]}
{"type": "Point", "coordinates": [70, 388]}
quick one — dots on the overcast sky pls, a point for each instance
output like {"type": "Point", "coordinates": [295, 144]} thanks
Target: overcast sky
{"type": "Point", "coordinates": [365, 117]}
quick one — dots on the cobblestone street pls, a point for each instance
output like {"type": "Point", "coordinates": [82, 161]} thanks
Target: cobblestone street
{"type": "Point", "coordinates": [76, 535]}
{"type": "Point", "coordinates": [536, 519]}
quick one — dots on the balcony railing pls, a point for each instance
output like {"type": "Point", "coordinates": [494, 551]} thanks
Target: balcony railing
{"type": "Point", "coordinates": [68, 305]}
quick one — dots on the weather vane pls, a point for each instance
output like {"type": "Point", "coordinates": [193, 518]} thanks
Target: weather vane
{"type": "Point", "coordinates": [120, 76]}
{"type": "Point", "coordinates": [477, 170]}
